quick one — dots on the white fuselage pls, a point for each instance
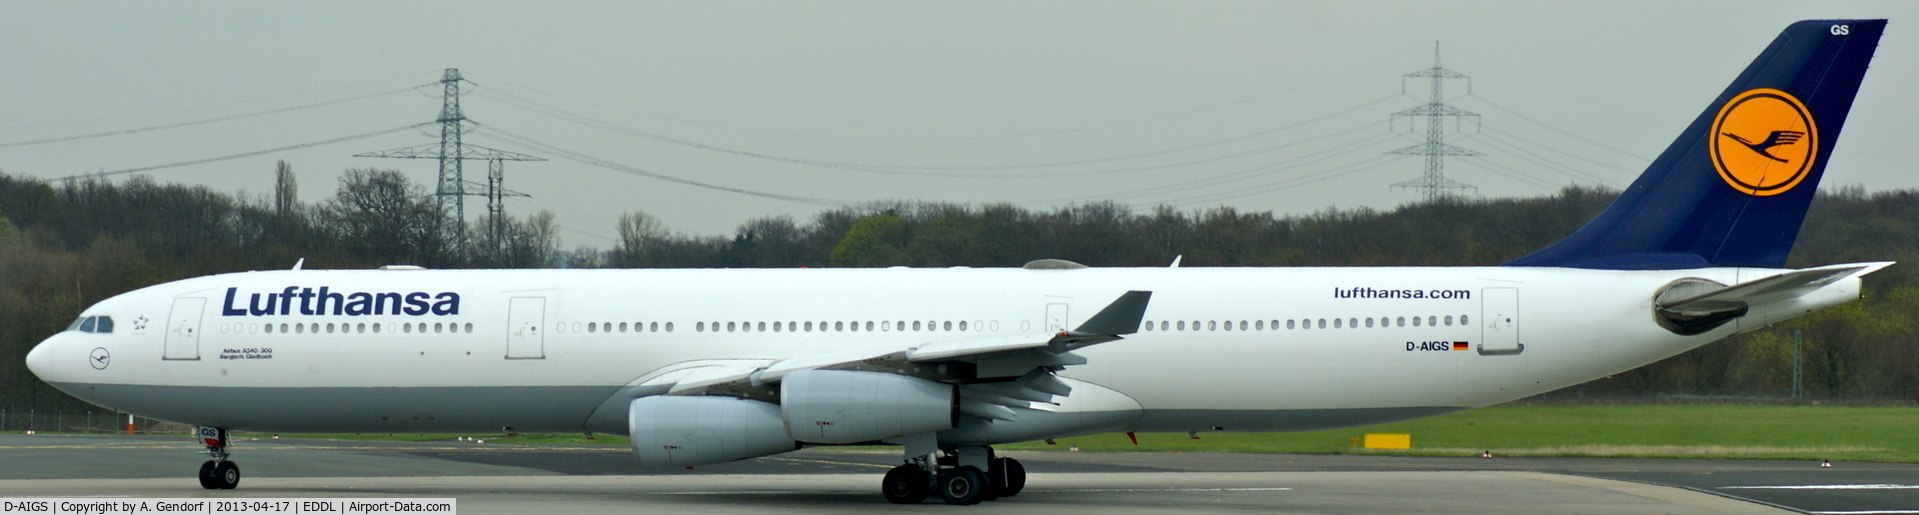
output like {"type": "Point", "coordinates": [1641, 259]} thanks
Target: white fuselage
{"type": "Point", "coordinates": [1239, 349]}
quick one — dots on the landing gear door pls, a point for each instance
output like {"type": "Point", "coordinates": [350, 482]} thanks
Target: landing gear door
{"type": "Point", "coordinates": [183, 329]}
{"type": "Point", "coordinates": [1055, 318]}
{"type": "Point", "coordinates": [1499, 322]}
{"type": "Point", "coordinates": [525, 338]}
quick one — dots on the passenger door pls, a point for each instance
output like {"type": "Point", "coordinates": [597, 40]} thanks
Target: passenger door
{"type": "Point", "coordinates": [183, 329]}
{"type": "Point", "coordinates": [525, 339]}
{"type": "Point", "coordinates": [1499, 322]}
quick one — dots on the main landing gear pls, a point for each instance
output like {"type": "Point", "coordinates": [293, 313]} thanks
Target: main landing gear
{"type": "Point", "coordinates": [217, 473]}
{"type": "Point", "coordinates": [957, 476]}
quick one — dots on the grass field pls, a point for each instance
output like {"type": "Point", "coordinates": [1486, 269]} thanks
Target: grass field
{"type": "Point", "coordinates": [1694, 431]}
{"type": "Point", "coordinates": [1691, 431]}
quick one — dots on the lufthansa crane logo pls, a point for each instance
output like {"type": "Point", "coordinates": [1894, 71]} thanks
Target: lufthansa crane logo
{"type": "Point", "coordinates": [1764, 142]}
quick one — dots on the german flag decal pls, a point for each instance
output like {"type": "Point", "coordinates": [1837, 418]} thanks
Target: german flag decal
{"type": "Point", "coordinates": [1461, 346]}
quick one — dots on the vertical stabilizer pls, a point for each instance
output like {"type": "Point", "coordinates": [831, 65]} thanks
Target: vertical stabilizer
{"type": "Point", "coordinates": [1733, 189]}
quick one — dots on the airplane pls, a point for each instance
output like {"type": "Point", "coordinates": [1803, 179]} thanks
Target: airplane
{"type": "Point", "coordinates": [700, 367]}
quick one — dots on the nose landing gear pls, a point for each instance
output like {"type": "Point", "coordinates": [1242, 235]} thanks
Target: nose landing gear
{"type": "Point", "coordinates": [217, 473]}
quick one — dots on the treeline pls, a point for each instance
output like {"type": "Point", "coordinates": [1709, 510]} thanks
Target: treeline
{"type": "Point", "coordinates": [68, 245]}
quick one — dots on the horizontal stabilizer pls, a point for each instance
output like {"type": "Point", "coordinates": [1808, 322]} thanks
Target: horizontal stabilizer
{"type": "Point", "coordinates": [1770, 289]}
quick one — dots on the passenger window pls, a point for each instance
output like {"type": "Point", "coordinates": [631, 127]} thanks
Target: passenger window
{"type": "Point", "coordinates": [730, 326]}
{"type": "Point", "coordinates": [1242, 325]}
{"type": "Point", "coordinates": [1369, 321]}
{"type": "Point", "coordinates": [949, 325]}
{"type": "Point", "coordinates": [606, 327]}
{"type": "Point", "coordinates": [329, 328]}
{"type": "Point", "coordinates": [962, 325]}
{"type": "Point", "coordinates": [591, 328]}
{"type": "Point", "coordinates": [1462, 319]}
{"type": "Point", "coordinates": [853, 326]}
{"type": "Point", "coordinates": [436, 327]}
{"type": "Point", "coordinates": [1322, 323]}
{"type": "Point", "coordinates": [1259, 325]}
{"type": "Point", "coordinates": [1431, 320]}
{"type": "Point", "coordinates": [808, 326]}
{"type": "Point", "coordinates": [700, 327]}
{"type": "Point", "coordinates": [269, 328]}
{"type": "Point", "coordinates": [916, 325]}
{"type": "Point", "coordinates": [1335, 323]}
{"type": "Point", "coordinates": [1352, 322]}
{"type": "Point", "coordinates": [300, 328]}
{"type": "Point", "coordinates": [839, 326]}
{"type": "Point", "coordinates": [105, 326]}
{"type": "Point", "coordinates": [1402, 321]}
{"type": "Point", "coordinates": [376, 328]}
{"type": "Point", "coordinates": [1182, 325]}
{"type": "Point", "coordinates": [1289, 323]}
{"type": "Point", "coordinates": [88, 324]}
{"type": "Point", "coordinates": [1162, 325]}
{"type": "Point", "coordinates": [777, 328]}
{"type": "Point", "coordinates": [1449, 320]}
{"type": "Point", "coordinates": [576, 327]}
{"type": "Point", "coordinates": [1415, 321]}
{"type": "Point", "coordinates": [283, 328]}
{"type": "Point", "coordinates": [622, 327]}
{"type": "Point", "coordinates": [869, 326]}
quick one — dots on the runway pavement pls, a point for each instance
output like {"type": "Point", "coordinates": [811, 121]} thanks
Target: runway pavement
{"type": "Point", "coordinates": [492, 478]}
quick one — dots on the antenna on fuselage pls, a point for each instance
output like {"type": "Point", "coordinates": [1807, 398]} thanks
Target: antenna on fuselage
{"type": "Point", "coordinates": [298, 264]}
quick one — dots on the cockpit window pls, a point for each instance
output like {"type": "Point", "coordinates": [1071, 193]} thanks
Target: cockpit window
{"type": "Point", "coordinates": [92, 325]}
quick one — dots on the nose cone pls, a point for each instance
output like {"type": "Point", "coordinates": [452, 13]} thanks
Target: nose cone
{"type": "Point", "coordinates": [40, 359]}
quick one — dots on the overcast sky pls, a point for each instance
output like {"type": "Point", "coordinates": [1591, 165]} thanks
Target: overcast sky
{"type": "Point", "coordinates": [1279, 106]}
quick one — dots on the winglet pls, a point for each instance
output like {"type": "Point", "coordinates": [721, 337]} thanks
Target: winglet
{"type": "Point", "coordinates": [1120, 317]}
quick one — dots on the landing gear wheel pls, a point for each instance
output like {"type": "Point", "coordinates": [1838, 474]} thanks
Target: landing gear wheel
{"type": "Point", "coordinates": [206, 475]}
{"type": "Point", "coordinates": [906, 484]}
{"type": "Point", "coordinates": [1009, 477]}
{"type": "Point", "coordinates": [962, 485]}
{"type": "Point", "coordinates": [226, 475]}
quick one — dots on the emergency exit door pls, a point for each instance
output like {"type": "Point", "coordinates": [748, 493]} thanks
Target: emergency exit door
{"type": "Point", "coordinates": [525, 338]}
{"type": "Point", "coordinates": [1055, 318]}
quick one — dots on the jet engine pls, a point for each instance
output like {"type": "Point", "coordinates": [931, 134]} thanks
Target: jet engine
{"type": "Point", "coordinates": [841, 406]}
{"type": "Point", "coordinates": [682, 431]}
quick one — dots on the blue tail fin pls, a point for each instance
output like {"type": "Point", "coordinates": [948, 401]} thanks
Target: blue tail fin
{"type": "Point", "coordinates": [1733, 189]}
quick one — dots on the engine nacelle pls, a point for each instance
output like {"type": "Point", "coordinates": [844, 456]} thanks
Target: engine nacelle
{"type": "Point", "coordinates": [675, 431]}
{"type": "Point", "coordinates": [842, 406]}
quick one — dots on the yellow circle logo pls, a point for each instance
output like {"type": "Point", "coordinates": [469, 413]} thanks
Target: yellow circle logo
{"type": "Point", "coordinates": [1764, 142]}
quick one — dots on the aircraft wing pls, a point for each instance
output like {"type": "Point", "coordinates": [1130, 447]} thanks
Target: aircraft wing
{"type": "Point", "coordinates": [994, 374]}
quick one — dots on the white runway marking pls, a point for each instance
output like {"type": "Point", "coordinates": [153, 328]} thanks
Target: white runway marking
{"type": "Point", "coordinates": [1825, 487]}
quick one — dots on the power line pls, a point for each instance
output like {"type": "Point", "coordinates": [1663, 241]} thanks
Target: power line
{"type": "Point", "coordinates": [217, 104]}
{"type": "Point", "coordinates": [1243, 173]}
{"type": "Point", "coordinates": [1137, 121]}
{"type": "Point", "coordinates": [1543, 161]}
{"type": "Point", "coordinates": [1489, 165]}
{"type": "Point", "coordinates": [201, 122]}
{"type": "Point", "coordinates": [1556, 150]}
{"type": "Point", "coordinates": [924, 170]}
{"type": "Point", "coordinates": [245, 154]}
{"type": "Point", "coordinates": [1558, 130]}
{"type": "Point", "coordinates": [610, 165]}
{"type": "Point", "coordinates": [1295, 182]}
